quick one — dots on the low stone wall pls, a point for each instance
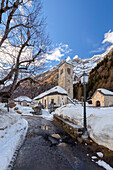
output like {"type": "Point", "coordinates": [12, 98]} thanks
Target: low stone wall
{"type": "Point", "coordinates": [73, 132]}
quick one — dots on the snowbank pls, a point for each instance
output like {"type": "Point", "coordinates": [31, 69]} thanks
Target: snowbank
{"type": "Point", "coordinates": [104, 165]}
{"type": "Point", "coordinates": [101, 129]}
{"type": "Point", "coordinates": [46, 115]}
{"type": "Point", "coordinates": [24, 110]}
{"type": "Point", "coordinates": [99, 120]}
{"type": "Point", "coordinates": [7, 118]}
{"type": "Point", "coordinates": [12, 133]}
{"type": "Point", "coordinates": [71, 112]}
{"type": "Point", "coordinates": [10, 138]}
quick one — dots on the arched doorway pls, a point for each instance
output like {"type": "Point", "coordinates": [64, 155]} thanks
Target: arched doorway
{"type": "Point", "coordinates": [97, 103]}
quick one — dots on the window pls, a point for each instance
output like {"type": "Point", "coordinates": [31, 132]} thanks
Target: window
{"type": "Point", "coordinates": [68, 90]}
{"type": "Point", "coordinates": [68, 70]}
{"type": "Point", "coordinates": [52, 100]}
{"type": "Point", "coordinates": [61, 71]}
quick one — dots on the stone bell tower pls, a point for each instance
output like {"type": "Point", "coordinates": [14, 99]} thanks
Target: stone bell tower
{"type": "Point", "coordinates": [66, 77]}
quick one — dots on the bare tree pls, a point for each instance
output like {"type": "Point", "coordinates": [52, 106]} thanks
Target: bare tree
{"type": "Point", "coordinates": [23, 41]}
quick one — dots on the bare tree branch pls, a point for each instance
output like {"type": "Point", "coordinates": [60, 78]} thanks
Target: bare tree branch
{"type": "Point", "coordinates": [23, 40]}
{"type": "Point", "coordinates": [25, 79]}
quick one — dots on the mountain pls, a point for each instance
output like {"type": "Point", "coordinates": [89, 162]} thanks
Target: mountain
{"type": "Point", "coordinates": [88, 64]}
{"type": "Point", "coordinates": [49, 78]}
{"type": "Point", "coordinates": [99, 77]}
{"type": "Point", "coordinates": [45, 81]}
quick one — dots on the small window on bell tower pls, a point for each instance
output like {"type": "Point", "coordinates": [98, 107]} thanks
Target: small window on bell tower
{"type": "Point", "coordinates": [68, 70]}
{"type": "Point", "coordinates": [61, 71]}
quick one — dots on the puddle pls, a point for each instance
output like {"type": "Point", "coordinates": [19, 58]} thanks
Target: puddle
{"type": "Point", "coordinates": [45, 127]}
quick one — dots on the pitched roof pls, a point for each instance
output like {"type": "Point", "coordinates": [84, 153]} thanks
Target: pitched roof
{"type": "Point", "coordinates": [105, 92]}
{"type": "Point", "coordinates": [62, 62]}
{"type": "Point", "coordinates": [54, 90]}
{"type": "Point", "coordinates": [22, 98]}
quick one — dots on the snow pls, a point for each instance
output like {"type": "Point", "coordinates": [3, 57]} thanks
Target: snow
{"type": "Point", "coordinates": [105, 91]}
{"type": "Point", "coordinates": [56, 89]}
{"type": "Point", "coordinates": [89, 64]}
{"type": "Point", "coordinates": [100, 154]}
{"type": "Point", "coordinates": [24, 110]}
{"type": "Point", "coordinates": [104, 165]}
{"type": "Point", "coordinates": [70, 111]}
{"type": "Point", "coordinates": [23, 98]}
{"type": "Point", "coordinates": [94, 157]}
{"type": "Point", "coordinates": [46, 115]}
{"type": "Point", "coordinates": [12, 134]}
{"type": "Point", "coordinates": [10, 139]}
{"type": "Point", "coordinates": [7, 118]}
{"type": "Point", "coordinates": [101, 133]}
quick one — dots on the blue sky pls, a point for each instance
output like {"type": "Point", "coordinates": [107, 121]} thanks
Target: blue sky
{"type": "Point", "coordinates": [80, 25]}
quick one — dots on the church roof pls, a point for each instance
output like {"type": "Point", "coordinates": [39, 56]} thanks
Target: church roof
{"type": "Point", "coordinates": [54, 90]}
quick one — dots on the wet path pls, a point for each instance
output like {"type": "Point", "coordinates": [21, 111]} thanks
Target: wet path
{"type": "Point", "coordinates": [40, 151]}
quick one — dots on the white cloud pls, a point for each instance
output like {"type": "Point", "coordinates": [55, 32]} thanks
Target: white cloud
{"type": "Point", "coordinates": [68, 59]}
{"type": "Point", "coordinates": [57, 53]}
{"type": "Point", "coordinates": [75, 57]}
{"type": "Point", "coordinates": [100, 49]}
{"type": "Point", "coordinates": [108, 37]}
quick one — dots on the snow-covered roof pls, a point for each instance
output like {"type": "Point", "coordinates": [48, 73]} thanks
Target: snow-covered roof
{"type": "Point", "coordinates": [22, 98]}
{"type": "Point", "coordinates": [56, 89]}
{"type": "Point", "coordinates": [104, 92]}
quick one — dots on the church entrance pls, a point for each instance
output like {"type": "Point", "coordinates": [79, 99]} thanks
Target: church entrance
{"type": "Point", "coordinates": [97, 103]}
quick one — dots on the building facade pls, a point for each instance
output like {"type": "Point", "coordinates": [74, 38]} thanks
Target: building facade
{"type": "Point", "coordinates": [56, 95]}
{"type": "Point", "coordinates": [23, 100]}
{"type": "Point", "coordinates": [66, 78]}
{"type": "Point", "coordinates": [102, 97]}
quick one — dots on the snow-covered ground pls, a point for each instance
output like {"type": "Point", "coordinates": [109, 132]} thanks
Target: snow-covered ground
{"type": "Point", "coordinates": [13, 129]}
{"type": "Point", "coordinates": [24, 110]}
{"type": "Point", "coordinates": [46, 115]}
{"type": "Point", "coordinates": [12, 133]}
{"type": "Point", "coordinates": [99, 121]}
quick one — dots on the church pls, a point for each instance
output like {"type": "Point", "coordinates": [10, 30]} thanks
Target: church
{"type": "Point", "coordinates": [60, 94]}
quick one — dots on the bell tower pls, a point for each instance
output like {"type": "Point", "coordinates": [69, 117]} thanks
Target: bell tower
{"type": "Point", "coordinates": [66, 78]}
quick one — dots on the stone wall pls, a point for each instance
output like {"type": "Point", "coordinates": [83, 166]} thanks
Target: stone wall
{"type": "Point", "coordinates": [73, 132]}
{"type": "Point", "coordinates": [98, 97]}
{"type": "Point", "coordinates": [104, 100]}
